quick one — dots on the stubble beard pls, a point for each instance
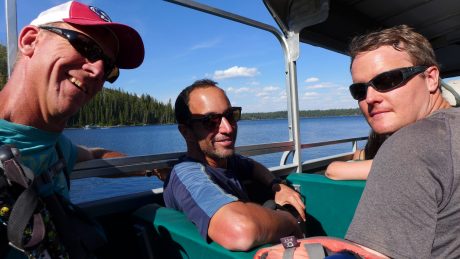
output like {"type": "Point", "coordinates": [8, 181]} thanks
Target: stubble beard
{"type": "Point", "coordinates": [216, 152]}
{"type": "Point", "coordinates": [219, 154]}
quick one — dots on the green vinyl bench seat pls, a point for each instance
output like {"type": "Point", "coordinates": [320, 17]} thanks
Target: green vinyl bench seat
{"type": "Point", "coordinates": [171, 235]}
{"type": "Point", "coordinates": [330, 204]}
{"type": "Point", "coordinates": [167, 233]}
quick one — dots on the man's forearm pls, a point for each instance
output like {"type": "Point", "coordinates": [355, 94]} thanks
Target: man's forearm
{"type": "Point", "coordinates": [284, 224]}
{"type": "Point", "coordinates": [99, 153]}
{"type": "Point", "coordinates": [86, 153]}
{"type": "Point", "coordinates": [241, 226]}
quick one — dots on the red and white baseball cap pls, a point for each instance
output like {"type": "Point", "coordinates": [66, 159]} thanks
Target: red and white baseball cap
{"type": "Point", "coordinates": [131, 47]}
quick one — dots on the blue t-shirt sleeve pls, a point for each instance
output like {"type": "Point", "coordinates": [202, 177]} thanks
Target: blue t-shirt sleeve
{"type": "Point", "coordinates": [191, 191]}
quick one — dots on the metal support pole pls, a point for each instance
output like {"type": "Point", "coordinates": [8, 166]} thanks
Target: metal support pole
{"type": "Point", "coordinates": [294, 103]}
{"type": "Point", "coordinates": [11, 33]}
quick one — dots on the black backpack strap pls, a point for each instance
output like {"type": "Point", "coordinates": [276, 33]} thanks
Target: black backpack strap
{"type": "Point", "coordinates": [64, 164]}
{"type": "Point", "coordinates": [78, 234]}
{"type": "Point", "coordinates": [25, 204]}
{"type": "Point", "coordinates": [19, 218]}
{"type": "Point", "coordinates": [15, 174]}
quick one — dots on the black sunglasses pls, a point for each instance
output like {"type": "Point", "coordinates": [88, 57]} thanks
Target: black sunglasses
{"type": "Point", "coordinates": [89, 49]}
{"type": "Point", "coordinates": [386, 81]}
{"type": "Point", "coordinates": [213, 120]}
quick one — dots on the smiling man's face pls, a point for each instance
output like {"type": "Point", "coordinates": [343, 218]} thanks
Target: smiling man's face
{"type": "Point", "coordinates": [387, 112]}
{"type": "Point", "coordinates": [66, 80]}
{"type": "Point", "coordinates": [217, 143]}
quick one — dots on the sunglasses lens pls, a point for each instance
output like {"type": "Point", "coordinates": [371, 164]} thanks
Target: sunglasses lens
{"type": "Point", "coordinates": [88, 49]}
{"type": "Point", "coordinates": [93, 52]}
{"type": "Point", "coordinates": [234, 114]}
{"type": "Point", "coordinates": [358, 91]}
{"type": "Point", "coordinates": [112, 72]}
{"type": "Point", "coordinates": [84, 46]}
{"type": "Point", "coordinates": [212, 121]}
{"type": "Point", "coordinates": [387, 81]}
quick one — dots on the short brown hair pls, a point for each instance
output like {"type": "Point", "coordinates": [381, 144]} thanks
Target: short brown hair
{"type": "Point", "coordinates": [181, 108]}
{"type": "Point", "coordinates": [401, 38]}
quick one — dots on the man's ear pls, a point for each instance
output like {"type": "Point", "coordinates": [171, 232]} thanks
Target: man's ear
{"type": "Point", "coordinates": [186, 133]}
{"type": "Point", "coordinates": [27, 40]}
{"type": "Point", "coordinates": [432, 78]}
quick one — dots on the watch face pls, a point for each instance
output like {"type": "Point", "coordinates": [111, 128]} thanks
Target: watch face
{"type": "Point", "coordinates": [289, 242]}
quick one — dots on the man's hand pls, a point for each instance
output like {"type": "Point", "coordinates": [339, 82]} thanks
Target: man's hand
{"type": "Point", "coordinates": [286, 195]}
{"type": "Point", "coordinates": [283, 194]}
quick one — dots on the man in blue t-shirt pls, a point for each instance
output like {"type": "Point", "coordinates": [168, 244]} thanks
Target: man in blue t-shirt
{"type": "Point", "coordinates": [207, 184]}
{"type": "Point", "coordinates": [64, 57]}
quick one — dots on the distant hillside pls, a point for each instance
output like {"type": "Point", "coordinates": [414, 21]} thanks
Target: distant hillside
{"type": "Point", "coordinates": [116, 107]}
{"type": "Point", "coordinates": [3, 66]}
{"type": "Point", "coordinates": [303, 114]}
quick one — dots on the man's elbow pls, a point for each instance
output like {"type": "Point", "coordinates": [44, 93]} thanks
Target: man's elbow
{"type": "Point", "coordinates": [331, 174]}
{"type": "Point", "coordinates": [238, 236]}
{"type": "Point", "coordinates": [335, 170]}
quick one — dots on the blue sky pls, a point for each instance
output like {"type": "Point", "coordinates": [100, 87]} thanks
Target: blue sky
{"type": "Point", "coordinates": [183, 45]}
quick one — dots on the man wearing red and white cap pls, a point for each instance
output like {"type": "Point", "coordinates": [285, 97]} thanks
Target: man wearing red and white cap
{"type": "Point", "coordinates": [64, 57]}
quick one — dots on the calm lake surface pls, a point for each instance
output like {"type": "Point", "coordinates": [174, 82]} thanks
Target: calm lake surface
{"type": "Point", "coordinates": [155, 139]}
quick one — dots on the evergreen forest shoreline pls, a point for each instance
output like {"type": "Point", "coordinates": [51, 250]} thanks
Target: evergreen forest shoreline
{"type": "Point", "coordinates": [118, 108]}
{"type": "Point", "coordinates": [278, 115]}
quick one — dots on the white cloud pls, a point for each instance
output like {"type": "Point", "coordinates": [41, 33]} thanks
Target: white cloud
{"type": "Point", "coordinates": [310, 94]}
{"type": "Point", "coordinates": [205, 45]}
{"type": "Point", "coordinates": [262, 94]}
{"type": "Point", "coordinates": [311, 80]}
{"type": "Point", "coordinates": [239, 90]}
{"type": "Point", "coordinates": [235, 71]}
{"type": "Point", "coordinates": [319, 86]}
{"type": "Point", "coordinates": [282, 95]}
{"type": "Point", "coordinates": [271, 89]}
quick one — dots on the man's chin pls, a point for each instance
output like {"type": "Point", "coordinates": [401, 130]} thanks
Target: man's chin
{"type": "Point", "coordinates": [384, 129]}
{"type": "Point", "coordinates": [221, 154]}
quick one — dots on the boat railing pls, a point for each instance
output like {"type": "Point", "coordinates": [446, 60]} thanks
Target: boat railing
{"type": "Point", "coordinates": [127, 165]}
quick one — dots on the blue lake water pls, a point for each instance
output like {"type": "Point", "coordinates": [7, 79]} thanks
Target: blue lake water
{"type": "Point", "coordinates": [155, 139]}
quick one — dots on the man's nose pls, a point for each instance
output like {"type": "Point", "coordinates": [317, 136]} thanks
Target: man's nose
{"type": "Point", "coordinates": [95, 69]}
{"type": "Point", "coordinates": [225, 126]}
{"type": "Point", "coordinates": [372, 95]}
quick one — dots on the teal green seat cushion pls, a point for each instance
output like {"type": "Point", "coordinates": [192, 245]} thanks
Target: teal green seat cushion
{"type": "Point", "coordinates": [330, 204]}
{"type": "Point", "coordinates": [177, 237]}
